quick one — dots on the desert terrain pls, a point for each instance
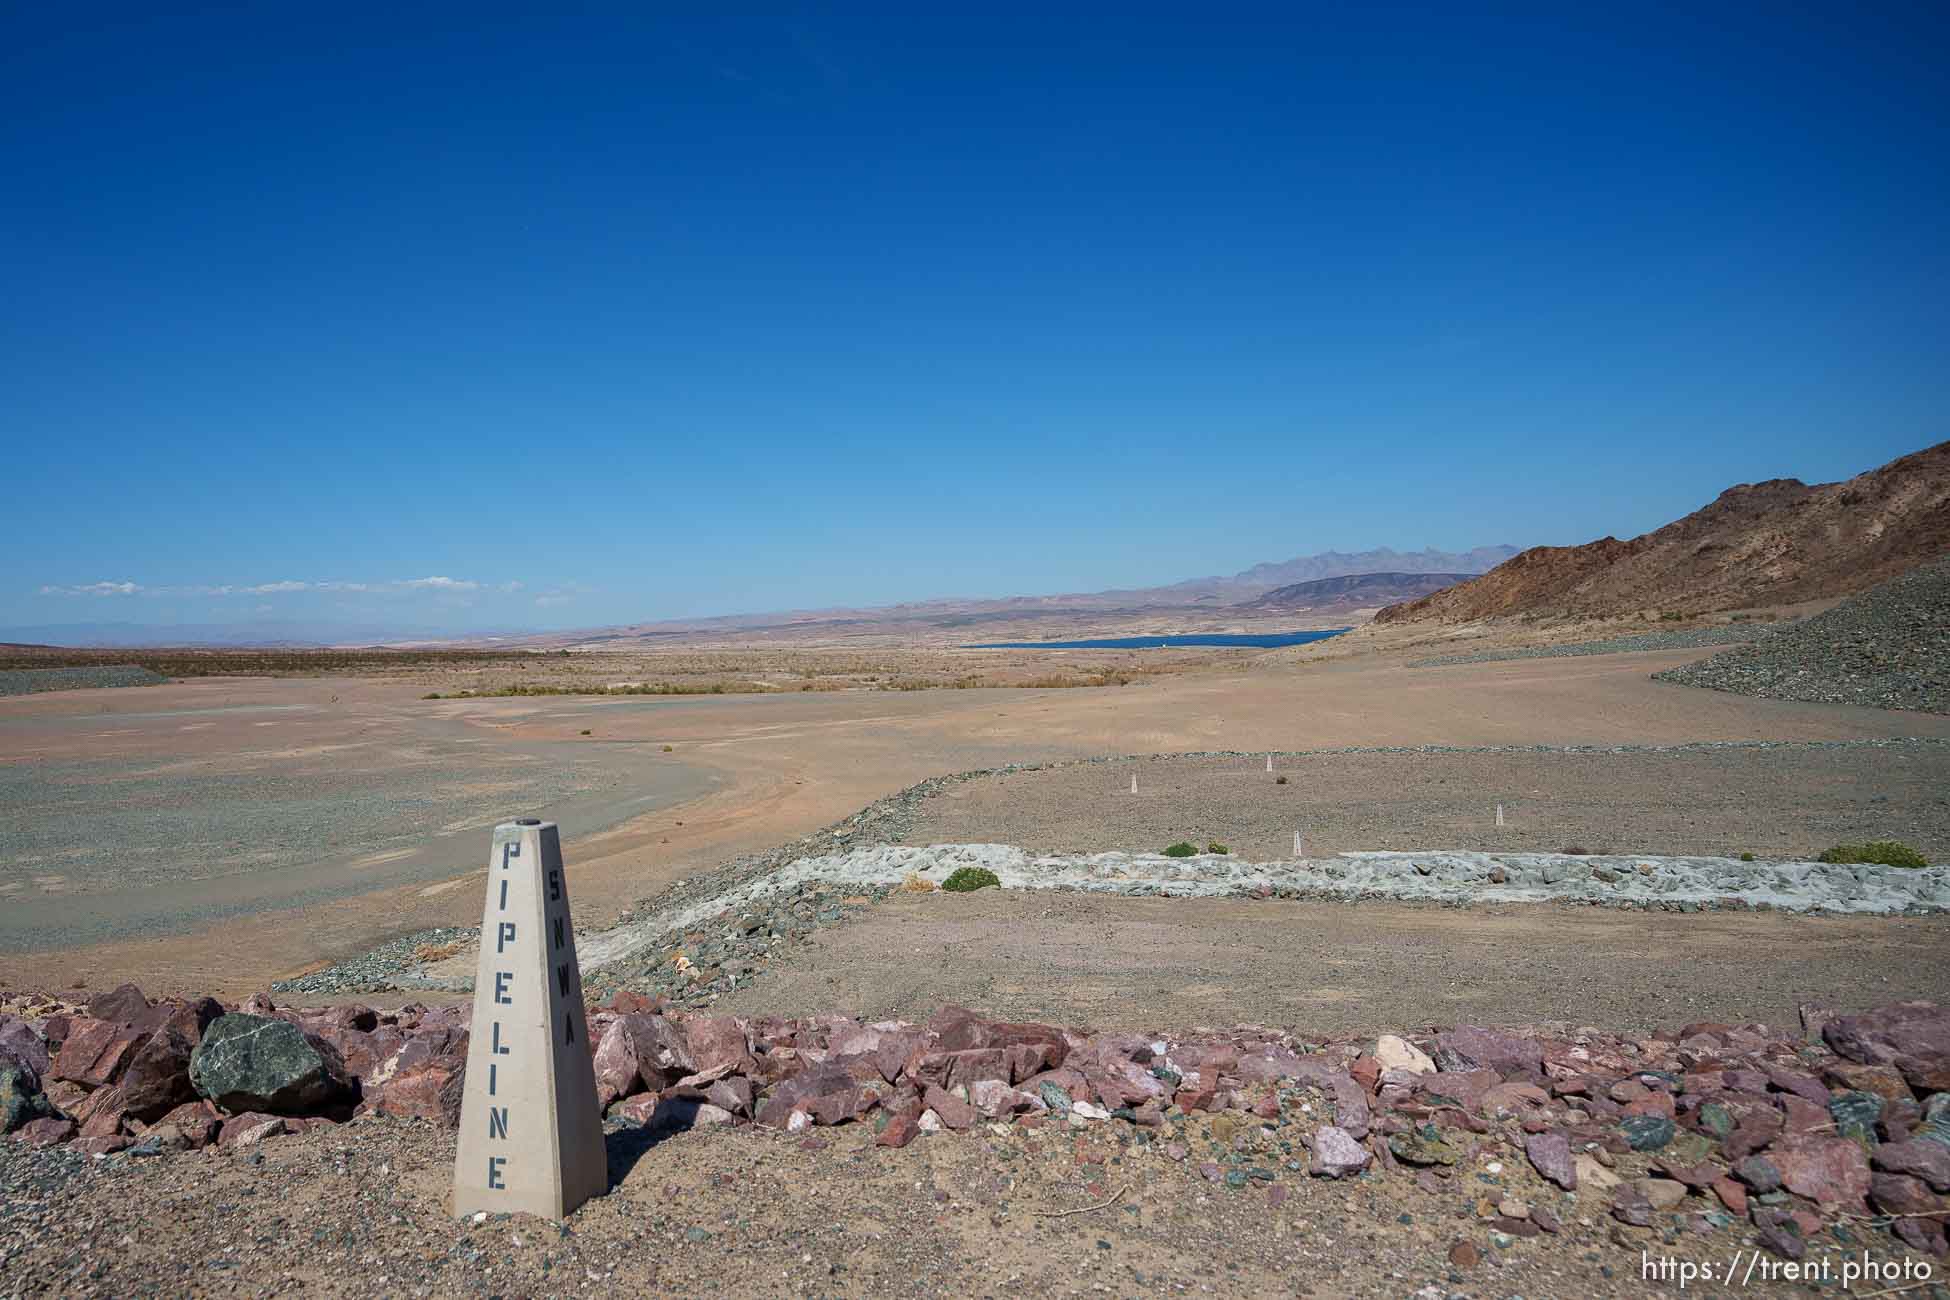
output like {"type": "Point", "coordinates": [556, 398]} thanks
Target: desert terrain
{"type": "Point", "coordinates": [308, 842]}
{"type": "Point", "coordinates": [318, 817]}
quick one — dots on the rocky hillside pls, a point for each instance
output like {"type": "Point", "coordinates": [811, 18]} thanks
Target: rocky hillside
{"type": "Point", "coordinates": [1888, 647]}
{"type": "Point", "coordinates": [1775, 542]}
{"type": "Point", "coordinates": [1353, 591]}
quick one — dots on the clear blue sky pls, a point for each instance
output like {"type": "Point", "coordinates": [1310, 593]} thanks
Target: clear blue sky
{"type": "Point", "coordinates": [657, 314]}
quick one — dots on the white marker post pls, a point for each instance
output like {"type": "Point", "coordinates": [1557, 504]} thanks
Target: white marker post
{"type": "Point", "coordinates": [531, 1136]}
{"type": "Point", "coordinates": [1134, 783]}
{"type": "Point", "coordinates": [1299, 844]}
{"type": "Point", "coordinates": [1499, 814]}
{"type": "Point", "coordinates": [1269, 762]}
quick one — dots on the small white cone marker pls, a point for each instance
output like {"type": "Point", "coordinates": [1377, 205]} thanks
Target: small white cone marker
{"type": "Point", "coordinates": [531, 1136]}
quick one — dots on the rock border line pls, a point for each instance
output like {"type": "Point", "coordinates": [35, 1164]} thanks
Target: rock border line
{"type": "Point", "coordinates": [652, 925]}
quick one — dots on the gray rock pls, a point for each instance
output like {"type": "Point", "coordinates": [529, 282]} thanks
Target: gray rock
{"type": "Point", "coordinates": [1336, 1154]}
{"type": "Point", "coordinates": [254, 1063]}
{"type": "Point", "coordinates": [21, 1101]}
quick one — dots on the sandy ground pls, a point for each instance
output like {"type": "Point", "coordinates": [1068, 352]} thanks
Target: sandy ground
{"type": "Point", "coordinates": [1136, 963]}
{"type": "Point", "coordinates": [776, 766]}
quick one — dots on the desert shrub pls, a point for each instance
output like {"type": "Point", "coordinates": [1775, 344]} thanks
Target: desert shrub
{"type": "Point", "coordinates": [915, 883]}
{"type": "Point", "coordinates": [1181, 850]}
{"type": "Point", "coordinates": [966, 880]}
{"type": "Point", "coordinates": [1575, 851]}
{"type": "Point", "coordinates": [1216, 847]}
{"type": "Point", "coordinates": [1888, 853]}
{"type": "Point", "coordinates": [431, 695]}
{"type": "Point", "coordinates": [1746, 857]}
{"type": "Point", "coordinates": [1279, 780]}
{"type": "Point", "coordinates": [585, 731]}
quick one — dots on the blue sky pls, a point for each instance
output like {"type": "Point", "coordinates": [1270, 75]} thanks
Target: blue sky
{"type": "Point", "coordinates": [613, 314]}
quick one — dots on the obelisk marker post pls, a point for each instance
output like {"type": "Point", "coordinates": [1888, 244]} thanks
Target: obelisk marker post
{"type": "Point", "coordinates": [531, 1136]}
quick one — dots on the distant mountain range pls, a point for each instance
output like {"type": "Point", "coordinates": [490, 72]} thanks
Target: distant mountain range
{"type": "Point", "coordinates": [1209, 598]}
{"type": "Point", "coordinates": [1354, 591]}
{"type": "Point", "coordinates": [1395, 574]}
{"type": "Point", "coordinates": [1779, 542]}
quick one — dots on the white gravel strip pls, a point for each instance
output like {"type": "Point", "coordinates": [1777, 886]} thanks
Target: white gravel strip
{"type": "Point", "coordinates": [1445, 876]}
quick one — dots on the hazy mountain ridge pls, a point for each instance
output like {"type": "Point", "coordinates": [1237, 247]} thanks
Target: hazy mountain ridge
{"type": "Point", "coordinates": [1353, 591]}
{"type": "Point", "coordinates": [1775, 542]}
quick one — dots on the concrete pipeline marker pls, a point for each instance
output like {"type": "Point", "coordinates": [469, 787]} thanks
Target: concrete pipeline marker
{"type": "Point", "coordinates": [531, 1136]}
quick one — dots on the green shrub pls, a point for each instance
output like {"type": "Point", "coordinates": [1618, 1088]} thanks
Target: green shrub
{"type": "Point", "coordinates": [1216, 847]}
{"type": "Point", "coordinates": [431, 695]}
{"type": "Point", "coordinates": [966, 880]}
{"type": "Point", "coordinates": [1888, 853]}
{"type": "Point", "coordinates": [1181, 850]}
{"type": "Point", "coordinates": [1746, 857]}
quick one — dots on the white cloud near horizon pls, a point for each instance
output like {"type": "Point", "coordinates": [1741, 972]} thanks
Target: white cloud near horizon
{"type": "Point", "coordinates": [396, 586]}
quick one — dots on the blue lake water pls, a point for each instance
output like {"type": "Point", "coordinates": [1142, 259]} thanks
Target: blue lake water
{"type": "Point", "coordinates": [1253, 640]}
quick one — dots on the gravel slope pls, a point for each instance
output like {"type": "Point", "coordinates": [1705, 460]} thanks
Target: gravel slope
{"type": "Point", "coordinates": [1888, 647]}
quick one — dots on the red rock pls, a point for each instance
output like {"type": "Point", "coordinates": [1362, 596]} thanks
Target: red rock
{"type": "Point", "coordinates": [1732, 1195]}
{"type": "Point", "coordinates": [44, 1132]}
{"type": "Point", "coordinates": [95, 1052]}
{"type": "Point", "coordinates": [1550, 1155]}
{"type": "Point", "coordinates": [1513, 1099]}
{"type": "Point", "coordinates": [1883, 1080]}
{"type": "Point", "coordinates": [1804, 1116]}
{"type": "Point", "coordinates": [636, 1110]}
{"type": "Point", "coordinates": [101, 1114]}
{"type": "Point", "coordinates": [1878, 1037]}
{"type": "Point", "coordinates": [1366, 1071]}
{"type": "Point", "coordinates": [952, 1110]}
{"type": "Point", "coordinates": [249, 1128]}
{"type": "Point", "coordinates": [197, 1121]}
{"type": "Point", "coordinates": [1756, 1131]}
{"type": "Point", "coordinates": [1657, 1103]}
{"type": "Point", "coordinates": [1829, 1171]}
{"type": "Point", "coordinates": [102, 1146]}
{"type": "Point", "coordinates": [734, 1095]}
{"type": "Point", "coordinates": [157, 1077]}
{"type": "Point", "coordinates": [1901, 1194]}
{"type": "Point", "coordinates": [947, 1069]}
{"type": "Point", "coordinates": [1466, 1088]}
{"type": "Point", "coordinates": [1471, 1047]}
{"type": "Point", "coordinates": [1028, 1049]}
{"type": "Point", "coordinates": [430, 1090]}
{"type": "Point", "coordinates": [1925, 1075]}
{"type": "Point", "coordinates": [118, 1005]}
{"type": "Point", "coordinates": [1805, 1086]}
{"type": "Point", "coordinates": [618, 1072]}
{"type": "Point", "coordinates": [899, 1132]}
{"type": "Point", "coordinates": [715, 1041]}
{"type": "Point", "coordinates": [1918, 1158]}
{"type": "Point", "coordinates": [1199, 1098]}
